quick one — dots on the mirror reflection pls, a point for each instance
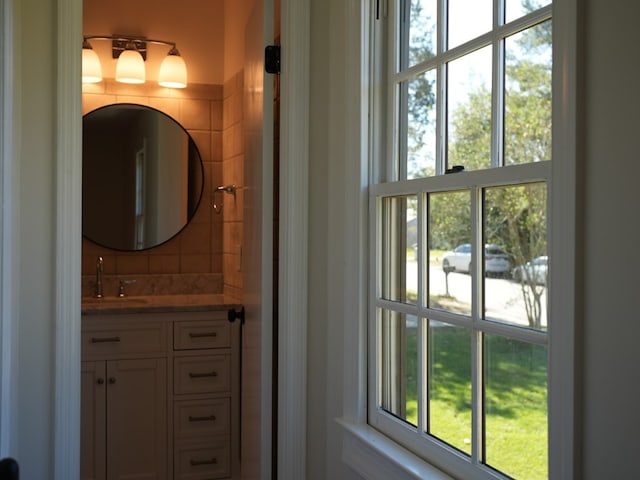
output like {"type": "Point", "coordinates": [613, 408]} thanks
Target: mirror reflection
{"type": "Point", "coordinates": [142, 177]}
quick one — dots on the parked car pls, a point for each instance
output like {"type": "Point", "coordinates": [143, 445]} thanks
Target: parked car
{"type": "Point", "coordinates": [496, 260]}
{"type": "Point", "coordinates": [535, 270]}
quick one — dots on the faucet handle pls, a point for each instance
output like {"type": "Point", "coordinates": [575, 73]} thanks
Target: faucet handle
{"type": "Point", "coordinates": [121, 292]}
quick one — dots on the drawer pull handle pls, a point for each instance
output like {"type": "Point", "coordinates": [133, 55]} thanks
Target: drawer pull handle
{"type": "Point", "coordinates": [203, 375]}
{"type": "Point", "coordinates": [211, 461]}
{"type": "Point", "coordinates": [105, 339]}
{"type": "Point", "coordinates": [202, 334]}
{"type": "Point", "coordinates": [209, 418]}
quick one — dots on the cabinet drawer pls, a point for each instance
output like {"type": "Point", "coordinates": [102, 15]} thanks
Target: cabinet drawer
{"type": "Point", "coordinates": [202, 374]}
{"type": "Point", "coordinates": [117, 338]}
{"type": "Point", "coordinates": [201, 334]}
{"type": "Point", "coordinates": [201, 418]}
{"type": "Point", "coordinates": [202, 460]}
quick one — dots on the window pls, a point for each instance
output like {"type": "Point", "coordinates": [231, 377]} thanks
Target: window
{"type": "Point", "coordinates": [459, 325]}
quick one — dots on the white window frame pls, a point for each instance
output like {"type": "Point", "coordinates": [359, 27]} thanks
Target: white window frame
{"type": "Point", "coordinates": [371, 454]}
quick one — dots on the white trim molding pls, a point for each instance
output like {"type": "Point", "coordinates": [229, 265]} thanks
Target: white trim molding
{"type": "Point", "coordinates": [68, 242]}
{"type": "Point", "coordinates": [293, 238]}
{"type": "Point", "coordinates": [564, 406]}
{"type": "Point", "coordinates": [376, 457]}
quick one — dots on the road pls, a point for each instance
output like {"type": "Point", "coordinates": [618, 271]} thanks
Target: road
{"type": "Point", "coordinates": [504, 300]}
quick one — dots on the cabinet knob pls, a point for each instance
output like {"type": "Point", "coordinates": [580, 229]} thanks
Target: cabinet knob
{"type": "Point", "coordinates": [100, 381]}
{"type": "Point", "coordinates": [112, 380]}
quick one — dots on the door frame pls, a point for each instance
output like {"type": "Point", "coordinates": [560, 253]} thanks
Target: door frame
{"type": "Point", "coordinates": [295, 21]}
{"type": "Point", "coordinates": [293, 239]}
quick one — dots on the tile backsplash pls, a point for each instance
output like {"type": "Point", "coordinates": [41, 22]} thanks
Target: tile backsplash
{"type": "Point", "coordinates": [194, 260]}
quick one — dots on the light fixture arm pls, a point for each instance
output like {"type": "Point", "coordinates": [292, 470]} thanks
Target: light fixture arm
{"type": "Point", "coordinates": [119, 43]}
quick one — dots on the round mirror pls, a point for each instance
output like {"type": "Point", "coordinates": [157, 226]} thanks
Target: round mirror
{"type": "Point", "coordinates": [142, 177]}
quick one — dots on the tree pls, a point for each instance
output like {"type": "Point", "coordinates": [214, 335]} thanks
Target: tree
{"type": "Point", "coordinates": [515, 216]}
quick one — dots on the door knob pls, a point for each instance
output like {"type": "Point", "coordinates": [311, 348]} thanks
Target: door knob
{"type": "Point", "coordinates": [232, 315]}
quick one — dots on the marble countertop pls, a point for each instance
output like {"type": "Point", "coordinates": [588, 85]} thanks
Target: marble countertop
{"type": "Point", "coordinates": [157, 304]}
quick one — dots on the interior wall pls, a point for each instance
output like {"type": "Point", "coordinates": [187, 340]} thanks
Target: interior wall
{"type": "Point", "coordinates": [236, 14]}
{"type": "Point", "coordinates": [197, 27]}
{"type": "Point", "coordinates": [194, 257]}
{"type": "Point", "coordinates": [198, 248]}
{"type": "Point", "coordinates": [608, 256]}
{"type": "Point", "coordinates": [611, 168]}
{"type": "Point", "coordinates": [35, 152]}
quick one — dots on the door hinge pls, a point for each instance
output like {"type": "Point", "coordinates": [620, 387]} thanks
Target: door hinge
{"type": "Point", "coordinates": [272, 59]}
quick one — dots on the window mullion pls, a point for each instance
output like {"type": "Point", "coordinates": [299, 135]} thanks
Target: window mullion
{"type": "Point", "coordinates": [441, 89]}
{"type": "Point", "coordinates": [477, 397]}
{"type": "Point", "coordinates": [477, 307]}
{"type": "Point", "coordinates": [497, 104]}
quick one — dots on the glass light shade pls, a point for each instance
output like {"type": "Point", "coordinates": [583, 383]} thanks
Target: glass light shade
{"type": "Point", "coordinates": [130, 67]}
{"type": "Point", "coordinates": [91, 68]}
{"type": "Point", "coordinates": [173, 72]}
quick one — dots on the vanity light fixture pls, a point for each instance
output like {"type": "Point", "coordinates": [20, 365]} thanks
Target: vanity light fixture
{"type": "Point", "coordinates": [131, 53]}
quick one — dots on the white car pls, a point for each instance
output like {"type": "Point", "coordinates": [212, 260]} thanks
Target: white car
{"type": "Point", "coordinates": [496, 260]}
{"type": "Point", "coordinates": [535, 270]}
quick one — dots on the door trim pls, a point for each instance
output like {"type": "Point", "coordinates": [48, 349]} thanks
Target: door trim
{"type": "Point", "coordinates": [8, 236]}
{"type": "Point", "coordinates": [68, 247]}
{"type": "Point", "coordinates": [293, 239]}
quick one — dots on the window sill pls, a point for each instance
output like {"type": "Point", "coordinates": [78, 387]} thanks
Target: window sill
{"type": "Point", "coordinates": [376, 457]}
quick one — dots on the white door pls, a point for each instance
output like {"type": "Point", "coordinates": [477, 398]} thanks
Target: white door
{"type": "Point", "coordinates": [257, 262]}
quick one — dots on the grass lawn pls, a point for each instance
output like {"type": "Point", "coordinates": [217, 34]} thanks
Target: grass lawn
{"type": "Point", "coordinates": [515, 398]}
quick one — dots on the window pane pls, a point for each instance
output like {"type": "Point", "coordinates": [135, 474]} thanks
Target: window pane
{"type": "Point", "coordinates": [516, 407]}
{"type": "Point", "coordinates": [450, 384]}
{"type": "Point", "coordinates": [469, 110]}
{"type": "Point", "coordinates": [418, 41]}
{"type": "Point", "coordinates": [399, 365]}
{"type": "Point", "coordinates": [450, 251]}
{"type": "Point", "coordinates": [468, 19]}
{"type": "Point", "coordinates": [516, 220]}
{"type": "Point", "coordinates": [399, 240]}
{"type": "Point", "coordinates": [528, 96]}
{"type": "Point", "coordinates": [518, 8]}
{"type": "Point", "coordinates": [420, 115]}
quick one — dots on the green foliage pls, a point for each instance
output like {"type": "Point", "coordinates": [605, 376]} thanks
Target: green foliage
{"type": "Point", "coordinates": [515, 398]}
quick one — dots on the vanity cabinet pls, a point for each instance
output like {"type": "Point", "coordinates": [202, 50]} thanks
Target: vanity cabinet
{"type": "Point", "coordinates": [160, 396]}
{"type": "Point", "coordinates": [204, 383]}
{"type": "Point", "coordinates": [123, 402]}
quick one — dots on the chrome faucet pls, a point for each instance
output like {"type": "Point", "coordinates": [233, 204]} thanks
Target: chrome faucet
{"type": "Point", "coordinates": [99, 265]}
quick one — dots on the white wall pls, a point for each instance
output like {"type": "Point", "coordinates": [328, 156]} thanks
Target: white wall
{"type": "Point", "coordinates": [327, 249]}
{"type": "Point", "coordinates": [36, 372]}
{"type": "Point", "coordinates": [611, 169]}
{"type": "Point", "coordinates": [609, 163]}
{"type": "Point", "coordinates": [609, 174]}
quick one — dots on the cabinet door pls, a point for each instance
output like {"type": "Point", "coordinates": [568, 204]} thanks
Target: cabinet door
{"type": "Point", "coordinates": [137, 419]}
{"type": "Point", "coordinates": [92, 421]}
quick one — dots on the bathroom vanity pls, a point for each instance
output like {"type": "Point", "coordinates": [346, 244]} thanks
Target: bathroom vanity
{"type": "Point", "coordinates": [160, 388]}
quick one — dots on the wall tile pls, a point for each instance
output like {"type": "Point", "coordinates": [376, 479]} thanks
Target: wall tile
{"type": "Point", "coordinates": [194, 114]}
{"type": "Point", "coordinates": [195, 263]}
{"type": "Point", "coordinates": [197, 108]}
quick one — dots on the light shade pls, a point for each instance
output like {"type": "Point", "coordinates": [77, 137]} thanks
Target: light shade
{"type": "Point", "coordinates": [130, 67]}
{"type": "Point", "coordinates": [173, 71]}
{"type": "Point", "coordinates": [91, 68]}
